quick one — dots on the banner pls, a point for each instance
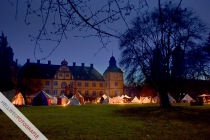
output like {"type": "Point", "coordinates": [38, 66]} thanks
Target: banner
{"type": "Point", "coordinates": [19, 119]}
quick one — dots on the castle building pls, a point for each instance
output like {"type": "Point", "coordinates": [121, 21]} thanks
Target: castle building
{"type": "Point", "coordinates": [59, 79]}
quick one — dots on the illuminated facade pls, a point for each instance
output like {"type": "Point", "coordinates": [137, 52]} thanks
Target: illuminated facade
{"type": "Point", "coordinates": [58, 79]}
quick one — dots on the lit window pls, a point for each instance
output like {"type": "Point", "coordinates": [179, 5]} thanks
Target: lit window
{"type": "Point", "coordinates": [72, 84]}
{"type": "Point", "coordinates": [86, 84]}
{"type": "Point", "coordinates": [94, 93]}
{"type": "Point", "coordinates": [55, 92]}
{"type": "Point", "coordinates": [101, 84]}
{"type": "Point", "coordinates": [63, 84]}
{"type": "Point", "coordinates": [94, 84]}
{"type": "Point", "coordinates": [86, 93]}
{"type": "Point", "coordinates": [55, 83]}
{"type": "Point", "coordinates": [79, 84]}
{"type": "Point", "coordinates": [47, 83]}
{"type": "Point", "coordinates": [47, 91]}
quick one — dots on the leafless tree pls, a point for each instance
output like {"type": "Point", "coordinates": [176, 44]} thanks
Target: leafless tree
{"type": "Point", "coordinates": [92, 18]}
{"type": "Point", "coordinates": [162, 46]}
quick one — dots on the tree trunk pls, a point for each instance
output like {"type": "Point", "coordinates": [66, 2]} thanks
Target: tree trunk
{"type": "Point", "coordinates": [164, 100]}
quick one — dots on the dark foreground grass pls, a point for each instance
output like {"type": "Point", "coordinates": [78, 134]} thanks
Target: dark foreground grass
{"type": "Point", "coordinates": [113, 122]}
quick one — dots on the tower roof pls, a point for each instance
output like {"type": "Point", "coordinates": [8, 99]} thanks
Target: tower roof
{"type": "Point", "coordinates": [113, 66]}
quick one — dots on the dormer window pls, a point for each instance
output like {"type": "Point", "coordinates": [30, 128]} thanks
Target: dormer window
{"type": "Point", "coordinates": [64, 69]}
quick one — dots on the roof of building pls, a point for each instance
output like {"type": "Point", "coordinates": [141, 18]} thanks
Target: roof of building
{"type": "Point", "coordinates": [48, 71]}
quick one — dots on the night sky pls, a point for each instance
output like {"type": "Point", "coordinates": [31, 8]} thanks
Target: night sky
{"type": "Point", "coordinates": [72, 49]}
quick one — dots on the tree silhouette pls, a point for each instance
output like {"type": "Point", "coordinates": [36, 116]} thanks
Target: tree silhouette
{"type": "Point", "coordinates": [164, 46]}
{"type": "Point", "coordinates": [6, 63]}
{"type": "Point", "coordinates": [87, 18]}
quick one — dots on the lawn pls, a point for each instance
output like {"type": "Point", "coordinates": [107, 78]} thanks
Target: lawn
{"type": "Point", "coordinates": [113, 122]}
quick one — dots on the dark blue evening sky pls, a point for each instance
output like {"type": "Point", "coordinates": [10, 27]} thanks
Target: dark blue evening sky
{"type": "Point", "coordinates": [72, 49]}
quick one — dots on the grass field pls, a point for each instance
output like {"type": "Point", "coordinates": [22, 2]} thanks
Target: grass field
{"type": "Point", "coordinates": [113, 122]}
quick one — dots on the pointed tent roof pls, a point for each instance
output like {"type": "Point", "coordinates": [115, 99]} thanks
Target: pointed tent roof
{"type": "Point", "coordinates": [145, 100]}
{"type": "Point", "coordinates": [18, 99]}
{"type": "Point", "coordinates": [104, 96]}
{"type": "Point", "coordinates": [156, 99]}
{"type": "Point", "coordinates": [108, 100]}
{"type": "Point", "coordinates": [135, 100]}
{"type": "Point", "coordinates": [42, 98]}
{"type": "Point", "coordinates": [126, 96]}
{"type": "Point", "coordinates": [171, 99]}
{"type": "Point", "coordinates": [187, 98]}
{"type": "Point", "coordinates": [62, 96]}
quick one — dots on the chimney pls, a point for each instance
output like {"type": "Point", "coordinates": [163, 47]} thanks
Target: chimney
{"type": "Point", "coordinates": [74, 64]}
{"type": "Point", "coordinates": [28, 60]}
{"type": "Point", "coordinates": [16, 62]}
{"type": "Point", "coordinates": [83, 64]}
{"type": "Point", "coordinates": [91, 65]}
{"type": "Point", "coordinates": [49, 62]}
{"type": "Point", "coordinates": [38, 61]}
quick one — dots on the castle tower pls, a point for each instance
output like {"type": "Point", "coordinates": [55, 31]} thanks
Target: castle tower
{"type": "Point", "coordinates": [113, 77]}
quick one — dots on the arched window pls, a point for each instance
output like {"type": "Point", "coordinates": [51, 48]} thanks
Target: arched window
{"type": "Point", "coordinates": [63, 84]}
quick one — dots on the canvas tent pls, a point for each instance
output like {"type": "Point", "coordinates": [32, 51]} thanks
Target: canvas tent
{"type": "Point", "coordinates": [42, 98]}
{"type": "Point", "coordinates": [135, 100]}
{"type": "Point", "coordinates": [80, 97]}
{"type": "Point", "coordinates": [171, 99]}
{"type": "Point", "coordinates": [186, 99]}
{"type": "Point", "coordinates": [104, 96]}
{"type": "Point", "coordinates": [108, 100]}
{"type": "Point", "coordinates": [62, 100]}
{"type": "Point", "coordinates": [144, 100]}
{"type": "Point", "coordinates": [117, 99]}
{"type": "Point", "coordinates": [18, 99]}
{"type": "Point", "coordinates": [73, 101]}
{"type": "Point", "coordinates": [156, 99]}
{"type": "Point", "coordinates": [126, 96]}
{"type": "Point", "coordinates": [9, 94]}
{"type": "Point", "coordinates": [54, 101]}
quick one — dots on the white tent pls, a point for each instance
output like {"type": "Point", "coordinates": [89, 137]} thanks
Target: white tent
{"type": "Point", "coordinates": [126, 96]}
{"type": "Point", "coordinates": [135, 100]}
{"type": "Point", "coordinates": [108, 100]}
{"type": "Point", "coordinates": [122, 96]}
{"type": "Point", "coordinates": [171, 99]}
{"type": "Point", "coordinates": [145, 100]}
{"type": "Point", "coordinates": [54, 100]}
{"type": "Point", "coordinates": [186, 99]}
{"type": "Point", "coordinates": [62, 100]}
{"type": "Point", "coordinates": [117, 99]}
{"type": "Point", "coordinates": [73, 101]}
{"type": "Point", "coordinates": [18, 99]}
{"type": "Point", "coordinates": [141, 99]}
{"type": "Point", "coordinates": [104, 96]}
{"type": "Point", "coordinates": [156, 99]}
